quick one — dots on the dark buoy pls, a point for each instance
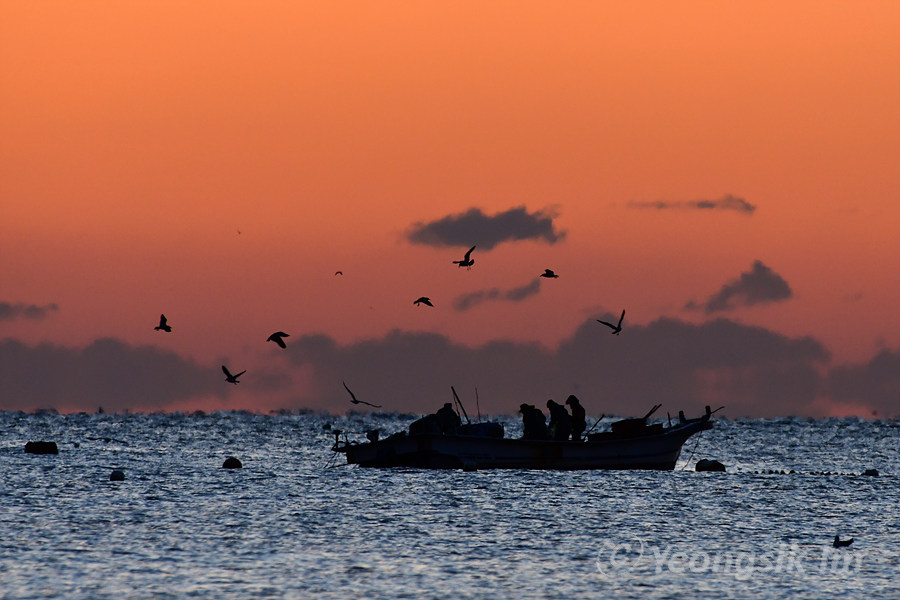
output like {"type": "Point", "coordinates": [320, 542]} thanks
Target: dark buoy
{"type": "Point", "coordinates": [709, 465]}
{"type": "Point", "coordinates": [232, 463]}
{"type": "Point", "coordinates": [41, 448]}
{"type": "Point", "coordinates": [839, 543]}
{"type": "Point", "coordinates": [117, 475]}
{"type": "Point", "coordinates": [871, 472]}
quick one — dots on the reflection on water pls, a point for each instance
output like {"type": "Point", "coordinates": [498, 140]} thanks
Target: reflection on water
{"type": "Point", "coordinates": [286, 527]}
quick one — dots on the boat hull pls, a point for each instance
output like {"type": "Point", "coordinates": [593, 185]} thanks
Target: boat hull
{"type": "Point", "coordinates": [656, 451]}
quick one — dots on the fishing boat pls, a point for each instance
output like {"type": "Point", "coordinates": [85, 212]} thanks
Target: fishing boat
{"type": "Point", "coordinates": [629, 444]}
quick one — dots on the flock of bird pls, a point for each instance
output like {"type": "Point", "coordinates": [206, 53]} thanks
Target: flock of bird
{"type": "Point", "coordinates": [278, 337]}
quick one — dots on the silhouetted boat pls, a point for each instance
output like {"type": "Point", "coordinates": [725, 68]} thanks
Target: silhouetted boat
{"type": "Point", "coordinates": [632, 445]}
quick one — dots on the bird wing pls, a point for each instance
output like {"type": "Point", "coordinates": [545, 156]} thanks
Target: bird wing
{"type": "Point", "coordinates": [369, 404]}
{"type": "Point", "coordinates": [355, 401]}
{"type": "Point", "coordinates": [162, 320]}
{"type": "Point", "coordinates": [622, 317]}
{"type": "Point", "coordinates": [277, 339]}
{"type": "Point", "coordinates": [225, 369]}
{"type": "Point", "coordinates": [239, 374]}
{"type": "Point", "coordinates": [607, 324]}
{"type": "Point", "coordinates": [469, 252]}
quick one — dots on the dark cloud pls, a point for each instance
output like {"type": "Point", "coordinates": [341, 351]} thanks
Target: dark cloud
{"type": "Point", "coordinates": [107, 373]}
{"type": "Point", "coordinates": [726, 202]}
{"type": "Point", "coordinates": [875, 384]}
{"type": "Point", "coordinates": [11, 311]}
{"type": "Point", "coordinates": [758, 285]}
{"type": "Point", "coordinates": [751, 370]}
{"type": "Point", "coordinates": [473, 227]}
{"type": "Point", "coordinates": [473, 299]}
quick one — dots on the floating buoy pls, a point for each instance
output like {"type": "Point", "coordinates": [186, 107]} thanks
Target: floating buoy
{"type": "Point", "coordinates": [232, 463]}
{"type": "Point", "coordinates": [41, 448]}
{"type": "Point", "coordinates": [709, 465]}
{"type": "Point", "coordinates": [117, 475]}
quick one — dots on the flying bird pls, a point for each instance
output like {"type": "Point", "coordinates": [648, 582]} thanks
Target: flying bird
{"type": "Point", "coordinates": [466, 262]}
{"type": "Point", "coordinates": [163, 324]}
{"type": "Point", "coordinates": [423, 300]}
{"type": "Point", "coordinates": [839, 543]}
{"type": "Point", "coordinates": [549, 274]}
{"type": "Point", "coordinates": [278, 338]}
{"type": "Point", "coordinates": [338, 272]}
{"type": "Point", "coordinates": [231, 378]}
{"type": "Point", "coordinates": [616, 329]}
{"type": "Point", "coordinates": [355, 401]}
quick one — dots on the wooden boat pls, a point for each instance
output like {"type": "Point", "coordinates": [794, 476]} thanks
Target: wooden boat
{"type": "Point", "coordinates": [631, 444]}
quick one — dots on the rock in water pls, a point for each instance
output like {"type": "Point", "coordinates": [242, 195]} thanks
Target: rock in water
{"type": "Point", "coordinates": [232, 463]}
{"type": "Point", "coordinates": [41, 448]}
{"type": "Point", "coordinates": [709, 465]}
{"type": "Point", "coordinates": [117, 475]}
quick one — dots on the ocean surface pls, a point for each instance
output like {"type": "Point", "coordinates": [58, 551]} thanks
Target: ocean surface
{"type": "Point", "coordinates": [296, 522]}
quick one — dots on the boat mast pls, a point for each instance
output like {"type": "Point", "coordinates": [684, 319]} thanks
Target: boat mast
{"type": "Point", "coordinates": [461, 407]}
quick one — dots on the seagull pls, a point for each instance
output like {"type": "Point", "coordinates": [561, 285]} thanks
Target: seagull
{"type": "Point", "coordinates": [277, 337]}
{"type": "Point", "coordinates": [338, 272]}
{"type": "Point", "coordinates": [549, 274]}
{"type": "Point", "coordinates": [231, 378]}
{"type": "Point", "coordinates": [355, 401]}
{"type": "Point", "coordinates": [615, 328]}
{"type": "Point", "coordinates": [163, 325]}
{"type": "Point", "coordinates": [839, 543]}
{"type": "Point", "coordinates": [466, 262]}
{"type": "Point", "coordinates": [423, 300]}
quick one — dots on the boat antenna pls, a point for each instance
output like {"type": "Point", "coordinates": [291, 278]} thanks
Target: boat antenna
{"type": "Point", "coordinates": [461, 407]}
{"type": "Point", "coordinates": [651, 411]}
{"type": "Point", "coordinates": [477, 405]}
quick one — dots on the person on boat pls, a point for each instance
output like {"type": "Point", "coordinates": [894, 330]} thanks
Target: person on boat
{"type": "Point", "coordinates": [448, 420]}
{"type": "Point", "coordinates": [560, 424]}
{"type": "Point", "coordinates": [534, 423]}
{"type": "Point", "coordinates": [578, 418]}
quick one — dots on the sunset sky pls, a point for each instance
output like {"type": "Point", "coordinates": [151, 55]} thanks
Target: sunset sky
{"type": "Point", "coordinates": [728, 173]}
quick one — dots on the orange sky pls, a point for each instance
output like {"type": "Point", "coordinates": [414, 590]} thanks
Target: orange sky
{"type": "Point", "coordinates": [137, 139]}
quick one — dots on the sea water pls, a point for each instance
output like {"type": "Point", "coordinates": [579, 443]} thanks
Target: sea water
{"type": "Point", "coordinates": [295, 522]}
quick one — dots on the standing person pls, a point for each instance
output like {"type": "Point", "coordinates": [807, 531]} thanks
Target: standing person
{"type": "Point", "coordinates": [447, 419]}
{"type": "Point", "coordinates": [560, 424]}
{"type": "Point", "coordinates": [578, 418]}
{"type": "Point", "coordinates": [534, 423]}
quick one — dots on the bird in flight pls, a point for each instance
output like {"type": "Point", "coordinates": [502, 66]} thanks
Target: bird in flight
{"type": "Point", "coordinates": [355, 401]}
{"type": "Point", "coordinates": [616, 329]}
{"type": "Point", "coordinates": [163, 324]}
{"type": "Point", "coordinates": [231, 378]}
{"type": "Point", "coordinates": [338, 272]}
{"type": "Point", "coordinates": [423, 300]}
{"type": "Point", "coordinates": [549, 274]}
{"type": "Point", "coordinates": [278, 338]}
{"type": "Point", "coordinates": [466, 262]}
